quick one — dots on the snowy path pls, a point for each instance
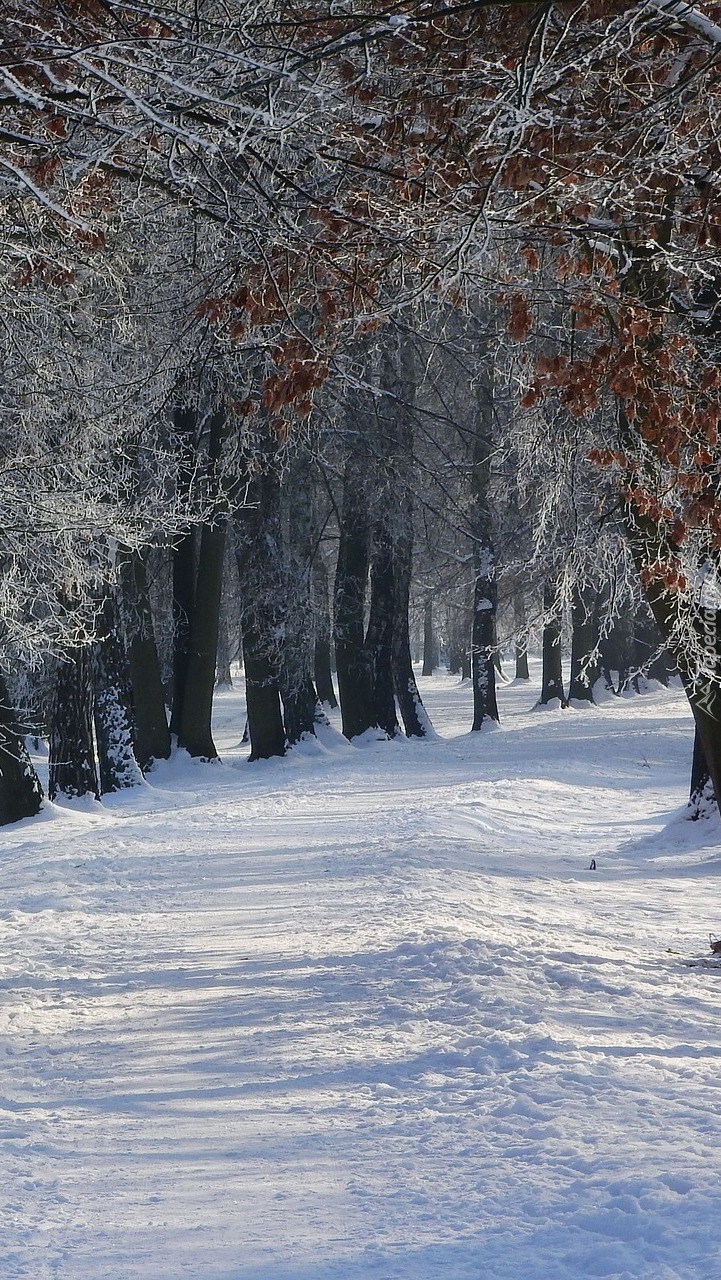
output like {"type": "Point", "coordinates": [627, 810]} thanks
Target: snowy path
{"type": "Point", "coordinates": [366, 1014]}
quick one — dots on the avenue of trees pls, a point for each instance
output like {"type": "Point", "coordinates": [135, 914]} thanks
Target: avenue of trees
{"type": "Point", "coordinates": [330, 332]}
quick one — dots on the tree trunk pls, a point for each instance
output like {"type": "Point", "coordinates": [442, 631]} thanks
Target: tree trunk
{"type": "Point", "coordinates": [706, 707]}
{"type": "Point", "coordinates": [194, 732]}
{"type": "Point", "coordinates": [298, 693]}
{"type": "Point", "coordinates": [152, 735]}
{"type": "Point", "coordinates": [300, 707]}
{"type": "Point", "coordinates": [552, 677]}
{"type": "Point", "coordinates": [184, 560]}
{"type": "Point", "coordinates": [260, 573]}
{"type": "Point", "coordinates": [583, 643]}
{"type": "Point", "coordinates": [352, 659]}
{"type": "Point", "coordinates": [616, 653]}
{"type": "Point", "coordinates": [73, 769]}
{"type": "Point", "coordinates": [519, 622]}
{"type": "Point", "coordinates": [416, 721]}
{"type": "Point", "coordinates": [700, 776]}
{"type": "Point", "coordinates": [466, 657]}
{"type": "Point", "coordinates": [322, 672]}
{"type": "Point", "coordinates": [522, 672]}
{"type": "Point", "coordinates": [185, 552]}
{"type": "Point", "coordinates": [21, 795]}
{"type": "Point", "coordinates": [223, 675]}
{"type": "Point", "coordinates": [483, 670]}
{"type": "Point", "coordinates": [262, 673]}
{"type": "Point", "coordinates": [430, 655]}
{"type": "Point", "coordinates": [114, 729]}
{"type": "Point", "coordinates": [483, 629]}
{"type": "Point", "coordinates": [379, 636]}
{"type": "Point", "coordinates": [455, 619]}
{"type": "Point", "coordinates": [193, 701]}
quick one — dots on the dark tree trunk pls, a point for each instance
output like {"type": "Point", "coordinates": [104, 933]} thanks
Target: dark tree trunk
{"type": "Point", "coordinates": [114, 728]}
{"type": "Point", "coordinates": [260, 573]}
{"type": "Point", "coordinates": [552, 677]}
{"type": "Point", "coordinates": [466, 660]}
{"type": "Point", "coordinates": [483, 630]}
{"type": "Point", "coordinates": [322, 672]}
{"type": "Point", "coordinates": [223, 675]}
{"type": "Point", "coordinates": [706, 764]}
{"type": "Point", "coordinates": [185, 553]}
{"type": "Point", "coordinates": [430, 656]}
{"type": "Point", "coordinates": [700, 776]}
{"type": "Point", "coordinates": [460, 631]}
{"type": "Point", "coordinates": [322, 654]}
{"type": "Point", "coordinates": [193, 700]}
{"type": "Point", "coordinates": [352, 659]}
{"type": "Point", "coordinates": [152, 736]}
{"type": "Point", "coordinates": [522, 672]}
{"type": "Point", "coordinates": [21, 795]}
{"type": "Point", "coordinates": [262, 676]}
{"type": "Point", "coordinates": [456, 642]}
{"type": "Point", "coordinates": [616, 650]}
{"type": "Point", "coordinates": [379, 636]}
{"type": "Point", "coordinates": [483, 670]}
{"type": "Point", "coordinates": [519, 621]}
{"type": "Point", "coordinates": [300, 709]}
{"type": "Point", "coordinates": [584, 667]}
{"type": "Point", "coordinates": [194, 732]}
{"type": "Point", "coordinates": [414, 715]}
{"type": "Point", "coordinates": [184, 559]}
{"type": "Point", "coordinates": [73, 769]}
{"type": "Point", "coordinates": [415, 718]}
{"type": "Point", "coordinates": [300, 702]}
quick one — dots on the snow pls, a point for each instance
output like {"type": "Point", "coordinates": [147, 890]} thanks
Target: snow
{"type": "Point", "coordinates": [366, 1014]}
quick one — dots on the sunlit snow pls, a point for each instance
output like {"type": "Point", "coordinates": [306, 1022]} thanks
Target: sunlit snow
{"type": "Point", "coordinates": [366, 1014]}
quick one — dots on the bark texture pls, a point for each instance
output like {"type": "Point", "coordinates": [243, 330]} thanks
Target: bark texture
{"type": "Point", "coordinates": [150, 721]}
{"type": "Point", "coordinates": [21, 795]}
{"type": "Point", "coordinates": [112, 707]}
{"type": "Point", "coordinates": [552, 678]}
{"type": "Point", "coordinates": [483, 632]}
{"type": "Point", "coordinates": [584, 666]}
{"type": "Point", "coordinates": [355, 682]}
{"type": "Point", "coordinates": [260, 572]}
{"type": "Point", "coordinates": [73, 770]}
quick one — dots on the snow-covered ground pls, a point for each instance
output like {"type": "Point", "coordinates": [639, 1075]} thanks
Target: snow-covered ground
{"type": "Point", "coordinates": [366, 1014]}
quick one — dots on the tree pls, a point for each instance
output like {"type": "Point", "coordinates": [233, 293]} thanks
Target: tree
{"type": "Point", "coordinates": [113, 703]}
{"type": "Point", "coordinates": [352, 657]}
{"type": "Point", "coordinates": [20, 791]}
{"type": "Point", "coordinates": [150, 721]}
{"type": "Point", "coordinates": [195, 691]}
{"type": "Point", "coordinates": [249, 194]}
{"type": "Point", "coordinates": [258, 545]}
{"type": "Point", "coordinates": [73, 763]}
{"type": "Point", "coordinates": [483, 636]}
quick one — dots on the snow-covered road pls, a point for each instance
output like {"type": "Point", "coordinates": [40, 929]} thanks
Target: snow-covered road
{"type": "Point", "coordinates": [366, 1014]}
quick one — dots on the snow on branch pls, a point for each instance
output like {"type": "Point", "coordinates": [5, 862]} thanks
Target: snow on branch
{"type": "Point", "coordinates": [689, 17]}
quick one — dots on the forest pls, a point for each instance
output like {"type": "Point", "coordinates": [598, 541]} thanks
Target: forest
{"type": "Point", "coordinates": [337, 336]}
